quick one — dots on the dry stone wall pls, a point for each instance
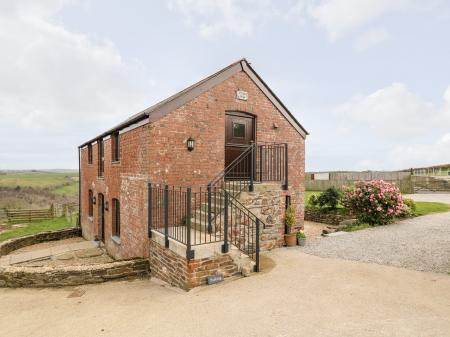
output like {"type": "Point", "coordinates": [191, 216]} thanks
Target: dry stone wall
{"type": "Point", "coordinates": [35, 277]}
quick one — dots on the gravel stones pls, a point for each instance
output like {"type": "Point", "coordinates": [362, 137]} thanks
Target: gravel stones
{"type": "Point", "coordinates": [421, 243]}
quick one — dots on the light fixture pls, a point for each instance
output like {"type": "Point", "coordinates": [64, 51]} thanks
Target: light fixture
{"type": "Point", "coordinates": [190, 144]}
{"type": "Point", "coordinates": [106, 205]}
{"type": "Point", "coordinates": [94, 200]}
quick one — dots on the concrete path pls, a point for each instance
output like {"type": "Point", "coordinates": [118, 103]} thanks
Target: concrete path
{"type": "Point", "coordinates": [46, 253]}
{"type": "Point", "coordinates": [303, 295]}
{"type": "Point", "coordinates": [433, 197]}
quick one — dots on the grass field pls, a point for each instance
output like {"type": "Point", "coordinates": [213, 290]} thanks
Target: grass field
{"type": "Point", "coordinates": [43, 180]}
{"type": "Point", "coordinates": [37, 189]}
{"type": "Point", "coordinates": [36, 227]}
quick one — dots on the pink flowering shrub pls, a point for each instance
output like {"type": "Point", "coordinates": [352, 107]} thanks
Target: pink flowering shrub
{"type": "Point", "coordinates": [374, 202]}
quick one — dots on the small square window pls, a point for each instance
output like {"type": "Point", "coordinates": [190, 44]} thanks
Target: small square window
{"type": "Point", "coordinates": [238, 130]}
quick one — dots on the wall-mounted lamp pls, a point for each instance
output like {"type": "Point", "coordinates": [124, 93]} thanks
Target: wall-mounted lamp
{"type": "Point", "coordinates": [190, 143]}
{"type": "Point", "coordinates": [94, 200]}
{"type": "Point", "coordinates": [275, 125]}
{"type": "Point", "coordinates": [106, 205]}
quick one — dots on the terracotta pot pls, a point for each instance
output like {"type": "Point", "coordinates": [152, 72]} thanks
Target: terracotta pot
{"type": "Point", "coordinates": [290, 239]}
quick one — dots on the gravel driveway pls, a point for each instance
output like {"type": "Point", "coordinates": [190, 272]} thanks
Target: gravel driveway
{"type": "Point", "coordinates": [421, 243]}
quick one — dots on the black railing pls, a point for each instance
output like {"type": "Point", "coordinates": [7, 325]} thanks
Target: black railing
{"type": "Point", "coordinates": [214, 214]}
{"type": "Point", "coordinates": [258, 163]}
{"type": "Point", "coordinates": [243, 228]}
{"type": "Point", "coordinates": [272, 163]}
{"type": "Point", "coordinates": [181, 214]}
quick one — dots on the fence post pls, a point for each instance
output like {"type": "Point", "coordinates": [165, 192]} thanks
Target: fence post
{"type": "Point", "coordinates": [286, 168]}
{"type": "Point", "coordinates": [257, 246]}
{"type": "Point", "coordinates": [166, 216]}
{"type": "Point", "coordinates": [225, 224]}
{"type": "Point", "coordinates": [261, 163]}
{"type": "Point", "coordinates": [252, 167]}
{"type": "Point", "coordinates": [149, 210]}
{"type": "Point", "coordinates": [189, 251]}
{"type": "Point", "coordinates": [209, 210]}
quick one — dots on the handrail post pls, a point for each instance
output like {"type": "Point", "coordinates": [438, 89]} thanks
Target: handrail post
{"type": "Point", "coordinates": [209, 210]}
{"type": "Point", "coordinates": [189, 251]}
{"type": "Point", "coordinates": [149, 210]}
{"type": "Point", "coordinates": [252, 167]}
{"type": "Point", "coordinates": [166, 216]}
{"type": "Point", "coordinates": [257, 246]}
{"type": "Point", "coordinates": [261, 163]}
{"type": "Point", "coordinates": [286, 168]}
{"type": "Point", "coordinates": [225, 224]}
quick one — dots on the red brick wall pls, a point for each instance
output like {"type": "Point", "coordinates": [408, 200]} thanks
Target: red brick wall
{"type": "Point", "coordinates": [157, 153]}
{"type": "Point", "coordinates": [204, 120]}
{"type": "Point", "coordinates": [125, 180]}
{"type": "Point", "coordinates": [177, 271]}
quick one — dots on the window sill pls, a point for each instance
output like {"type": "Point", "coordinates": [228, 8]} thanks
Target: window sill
{"type": "Point", "coordinates": [101, 178]}
{"type": "Point", "coordinates": [115, 162]}
{"type": "Point", "coordinates": [115, 239]}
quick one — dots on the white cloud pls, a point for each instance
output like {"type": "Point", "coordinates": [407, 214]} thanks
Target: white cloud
{"type": "Point", "coordinates": [410, 131]}
{"type": "Point", "coordinates": [371, 38]}
{"type": "Point", "coordinates": [341, 17]}
{"type": "Point", "coordinates": [395, 112]}
{"type": "Point", "coordinates": [419, 155]}
{"type": "Point", "coordinates": [58, 80]}
{"type": "Point", "coordinates": [217, 17]}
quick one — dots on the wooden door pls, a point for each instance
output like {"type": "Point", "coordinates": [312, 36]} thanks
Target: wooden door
{"type": "Point", "coordinates": [239, 134]}
{"type": "Point", "coordinates": [101, 217]}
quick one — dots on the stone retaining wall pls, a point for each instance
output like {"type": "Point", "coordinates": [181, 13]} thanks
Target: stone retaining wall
{"type": "Point", "coordinates": [8, 246]}
{"type": "Point", "coordinates": [176, 270]}
{"type": "Point", "coordinates": [267, 202]}
{"type": "Point", "coordinates": [35, 277]}
{"type": "Point", "coordinates": [328, 217]}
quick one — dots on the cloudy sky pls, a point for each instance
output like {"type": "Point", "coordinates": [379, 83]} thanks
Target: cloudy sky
{"type": "Point", "coordinates": [369, 79]}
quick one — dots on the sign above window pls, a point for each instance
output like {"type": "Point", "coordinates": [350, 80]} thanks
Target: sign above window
{"type": "Point", "coordinates": [242, 95]}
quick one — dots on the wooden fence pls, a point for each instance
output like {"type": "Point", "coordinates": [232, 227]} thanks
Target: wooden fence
{"type": "Point", "coordinates": [320, 181]}
{"type": "Point", "coordinates": [29, 215]}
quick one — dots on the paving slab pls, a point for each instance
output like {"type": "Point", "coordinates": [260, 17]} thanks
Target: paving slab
{"type": "Point", "coordinates": [46, 253]}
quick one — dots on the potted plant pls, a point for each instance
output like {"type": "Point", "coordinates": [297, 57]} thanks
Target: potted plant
{"type": "Point", "coordinates": [301, 238]}
{"type": "Point", "coordinates": [290, 219]}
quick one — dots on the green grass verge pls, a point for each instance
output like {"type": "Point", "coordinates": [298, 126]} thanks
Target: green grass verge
{"type": "Point", "coordinates": [308, 195]}
{"type": "Point", "coordinates": [424, 208]}
{"type": "Point", "coordinates": [42, 180]}
{"type": "Point", "coordinates": [36, 227]}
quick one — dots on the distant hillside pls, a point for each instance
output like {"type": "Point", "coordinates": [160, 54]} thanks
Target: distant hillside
{"type": "Point", "coordinates": [36, 189]}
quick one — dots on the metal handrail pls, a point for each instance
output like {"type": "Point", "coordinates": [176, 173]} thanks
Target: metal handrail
{"type": "Point", "coordinates": [231, 165]}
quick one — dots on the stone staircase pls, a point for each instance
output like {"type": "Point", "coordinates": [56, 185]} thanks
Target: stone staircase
{"type": "Point", "coordinates": [240, 246]}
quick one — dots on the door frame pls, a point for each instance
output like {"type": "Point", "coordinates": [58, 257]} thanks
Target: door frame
{"type": "Point", "coordinates": [101, 216]}
{"type": "Point", "coordinates": [240, 113]}
{"type": "Point", "coordinates": [236, 146]}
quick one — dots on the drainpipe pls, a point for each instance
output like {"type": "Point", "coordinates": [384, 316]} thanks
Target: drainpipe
{"type": "Point", "coordinates": [79, 187]}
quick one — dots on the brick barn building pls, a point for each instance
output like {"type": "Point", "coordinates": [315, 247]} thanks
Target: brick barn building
{"type": "Point", "coordinates": [199, 182]}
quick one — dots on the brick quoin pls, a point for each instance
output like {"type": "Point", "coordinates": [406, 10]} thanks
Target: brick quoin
{"type": "Point", "coordinates": [156, 152]}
